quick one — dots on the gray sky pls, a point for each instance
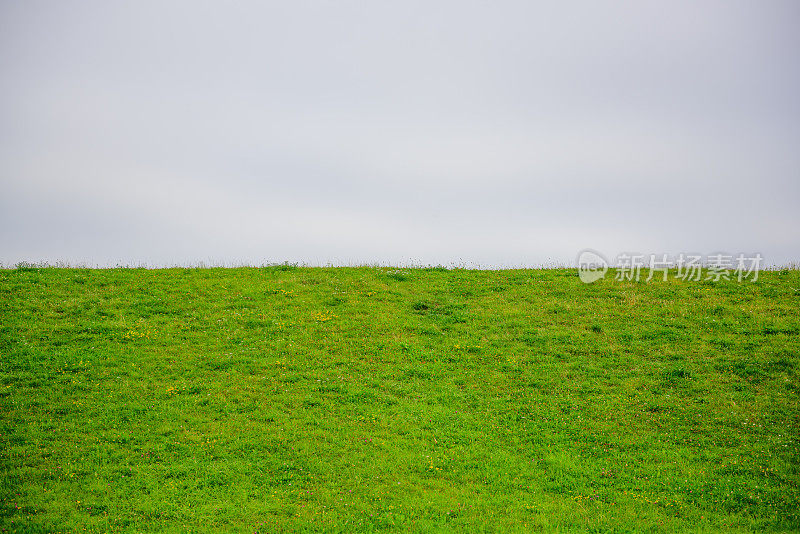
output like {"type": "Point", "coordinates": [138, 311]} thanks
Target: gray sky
{"type": "Point", "coordinates": [493, 134]}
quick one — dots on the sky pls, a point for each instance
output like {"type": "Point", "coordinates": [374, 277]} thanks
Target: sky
{"type": "Point", "coordinates": [485, 134]}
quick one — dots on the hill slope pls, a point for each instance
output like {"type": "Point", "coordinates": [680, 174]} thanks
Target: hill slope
{"type": "Point", "coordinates": [366, 399]}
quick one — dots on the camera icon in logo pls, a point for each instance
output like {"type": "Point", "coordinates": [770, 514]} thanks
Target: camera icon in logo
{"type": "Point", "coordinates": [592, 266]}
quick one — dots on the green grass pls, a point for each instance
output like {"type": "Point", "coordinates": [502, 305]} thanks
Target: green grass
{"type": "Point", "coordinates": [360, 399]}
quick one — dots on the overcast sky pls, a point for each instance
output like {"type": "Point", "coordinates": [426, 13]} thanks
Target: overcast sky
{"type": "Point", "coordinates": [491, 133]}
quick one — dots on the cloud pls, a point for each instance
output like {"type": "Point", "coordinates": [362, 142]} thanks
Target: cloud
{"type": "Point", "coordinates": [340, 133]}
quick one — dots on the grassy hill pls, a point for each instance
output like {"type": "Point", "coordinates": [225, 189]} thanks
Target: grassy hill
{"type": "Point", "coordinates": [358, 399]}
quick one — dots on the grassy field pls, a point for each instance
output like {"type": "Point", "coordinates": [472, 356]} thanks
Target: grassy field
{"type": "Point", "coordinates": [361, 399]}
